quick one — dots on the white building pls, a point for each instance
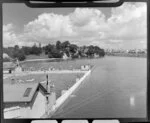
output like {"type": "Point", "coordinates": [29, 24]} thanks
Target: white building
{"type": "Point", "coordinates": [96, 55]}
{"type": "Point", "coordinates": [26, 100]}
{"type": "Point", "coordinates": [65, 57]}
{"type": "Point", "coordinates": [85, 67]}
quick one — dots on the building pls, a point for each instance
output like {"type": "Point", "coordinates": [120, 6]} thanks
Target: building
{"type": "Point", "coordinates": [65, 57]}
{"type": "Point", "coordinates": [11, 67]}
{"type": "Point", "coordinates": [8, 67]}
{"type": "Point", "coordinates": [85, 67]}
{"type": "Point", "coordinates": [26, 100]}
{"type": "Point", "coordinates": [96, 55]}
{"type": "Point", "coordinates": [18, 68]}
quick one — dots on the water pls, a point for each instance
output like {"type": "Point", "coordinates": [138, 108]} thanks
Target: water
{"type": "Point", "coordinates": [116, 88]}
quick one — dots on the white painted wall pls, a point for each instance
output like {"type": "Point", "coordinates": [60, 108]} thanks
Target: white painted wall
{"type": "Point", "coordinates": [17, 112]}
{"type": "Point", "coordinates": [39, 106]}
{"type": "Point", "coordinates": [12, 112]}
{"type": "Point", "coordinates": [5, 71]}
{"type": "Point", "coordinates": [52, 100]}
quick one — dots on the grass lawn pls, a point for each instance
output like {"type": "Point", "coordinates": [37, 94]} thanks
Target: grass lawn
{"type": "Point", "coordinates": [61, 81]}
{"type": "Point", "coordinates": [41, 56]}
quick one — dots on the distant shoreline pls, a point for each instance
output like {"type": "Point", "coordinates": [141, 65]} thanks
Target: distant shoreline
{"type": "Point", "coordinates": [60, 59]}
{"type": "Point", "coordinates": [127, 55]}
{"type": "Point", "coordinates": [56, 59]}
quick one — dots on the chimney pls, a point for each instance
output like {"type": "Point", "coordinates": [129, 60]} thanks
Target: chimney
{"type": "Point", "coordinates": [47, 82]}
{"type": "Point", "coordinates": [52, 88]}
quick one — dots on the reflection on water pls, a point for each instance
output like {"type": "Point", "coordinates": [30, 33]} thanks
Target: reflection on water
{"type": "Point", "coordinates": [132, 101]}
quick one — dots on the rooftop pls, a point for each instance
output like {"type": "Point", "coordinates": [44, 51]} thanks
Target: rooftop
{"type": "Point", "coordinates": [19, 92]}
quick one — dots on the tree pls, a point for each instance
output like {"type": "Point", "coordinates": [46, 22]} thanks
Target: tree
{"type": "Point", "coordinates": [73, 48]}
{"type": "Point", "coordinates": [50, 55]}
{"type": "Point", "coordinates": [90, 51]}
{"type": "Point", "coordinates": [48, 48]}
{"type": "Point", "coordinates": [19, 54]}
{"type": "Point", "coordinates": [58, 45]}
{"type": "Point", "coordinates": [55, 53]}
{"type": "Point", "coordinates": [26, 50]}
{"type": "Point", "coordinates": [16, 47]}
{"type": "Point", "coordinates": [35, 50]}
{"type": "Point", "coordinates": [65, 45]}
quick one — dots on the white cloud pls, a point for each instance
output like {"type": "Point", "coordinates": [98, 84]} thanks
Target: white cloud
{"type": "Point", "coordinates": [128, 21]}
{"type": "Point", "coordinates": [9, 36]}
{"type": "Point", "coordinates": [125, 27]}
{"type": "Point", "coordinates": [86, 16]}
{"type": "Point", "coordinates": [49, 26]}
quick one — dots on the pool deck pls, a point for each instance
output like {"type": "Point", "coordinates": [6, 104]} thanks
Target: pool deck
{"type": "Point", "coordinates": [43, 72]}
{"type": "Point", "coordinates": [61, 100]}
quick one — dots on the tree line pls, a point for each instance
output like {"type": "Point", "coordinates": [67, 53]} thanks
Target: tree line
{"type": "Point", "coordinates": [57, 50]}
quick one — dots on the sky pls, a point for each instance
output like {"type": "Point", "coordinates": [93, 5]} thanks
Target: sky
{"type": "Point", "coordinates": [123, 27]}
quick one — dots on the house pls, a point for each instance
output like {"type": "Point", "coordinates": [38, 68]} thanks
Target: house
{"type": "Point", "coordinates": [8, 67]}
{"type": "Point", "coordinates": [26, 100]}
{"type": "Point", "coordinates": [65, 56]}
{"type": "Point", "coordinates": [11, 67]}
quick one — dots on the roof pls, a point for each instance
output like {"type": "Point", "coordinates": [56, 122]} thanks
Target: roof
{"type": "Point", "coordinates": [8, 65]}
{"type": "Point", "coordinates": [22, 92]}
{"type": "Point", "coordinates": [43, 85]}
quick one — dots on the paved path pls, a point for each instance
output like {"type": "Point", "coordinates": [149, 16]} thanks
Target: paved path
{"type": "Point", "coordinates": [44, 72]}
{"type": "Point", "coordinates": [32, 60]}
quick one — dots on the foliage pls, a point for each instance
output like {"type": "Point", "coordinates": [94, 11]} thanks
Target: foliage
{"type": "Point", "coordinates": [18, 53]}
{"type": "Point", "coordinates": [72, 50]}
{"type": "Point", "coordinates": [55, 51]}
{"type": "Point", "coordinates": [35, 50]}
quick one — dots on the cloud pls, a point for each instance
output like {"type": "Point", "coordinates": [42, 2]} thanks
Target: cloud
{"type": "Point", "coordinates": [48, 26]}
{"type": "Point", "coordinates": [9, 36]}
{"type": "Point", "coordinates": [125, 27]}
{"type": "Point", "coordinates": [86, 16]}
{"type": "Point", "coordinates": [130, 24]}
{"type": "Point", "coordinates": [128, 21]}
